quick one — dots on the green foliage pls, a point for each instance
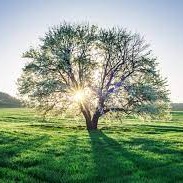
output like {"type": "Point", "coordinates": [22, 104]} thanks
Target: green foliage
{"type": "Point", "coordinates": [59, 150]}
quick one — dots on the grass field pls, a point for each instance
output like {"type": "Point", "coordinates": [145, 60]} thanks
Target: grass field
{"type": "Point", "coordinates": [61, 150]}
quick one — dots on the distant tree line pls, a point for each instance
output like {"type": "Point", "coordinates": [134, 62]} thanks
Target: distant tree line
{"type": "Point", "coordinates": [7, 101]}
{"type": "Point", "coordinates": [177, 106]}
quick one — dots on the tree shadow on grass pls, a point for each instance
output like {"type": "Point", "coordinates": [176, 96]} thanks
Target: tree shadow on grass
{"type": "Point", "coordinates": [64, 161]}
{"type": "Point", "coordinates": [160, 148]}
{"type": "Point", "coordinates": [45, 159]}
{"type": "Point", "coordinates": [12, 146]}
{"type": "Point", "coordinates": [20, 119]}
{"type": "Point", "coordinates": [145, 129]}
{"type": "Point", "coordinates": [77, 157]}
{"type": "Point", "coordinates": [134, 160]}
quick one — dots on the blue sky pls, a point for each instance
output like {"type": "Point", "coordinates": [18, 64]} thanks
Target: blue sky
{"type": "Point", "coordinates": [22, 22]}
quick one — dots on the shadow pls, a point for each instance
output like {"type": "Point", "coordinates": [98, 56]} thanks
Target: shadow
{"type": "Point", "coordinates": [144, 129]}
{"type": "Point", "coordinates": [79, 157]}
{"type": "Point", "coordinates": [43, 158]}
{"type": "Point", "coordinates": [12, 146]}
{"type": "Point", "coordinates": [165, 128]}
{"type": "Point", "coordinates": [14, 156]}
{"type": "Point", "coordinates": [64, 162]}
{"type": "Point", "coordinates": [157, 147]}
{"type": "Point", "coordinates": [135, 160]}
{"type": "Point", "coordinates": [20, 119]}
{"type": "Point", "coordinates": [53, 126]}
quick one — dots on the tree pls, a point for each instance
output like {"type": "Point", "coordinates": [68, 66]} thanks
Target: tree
{"type": "Point", "coordinates": [93, 70]}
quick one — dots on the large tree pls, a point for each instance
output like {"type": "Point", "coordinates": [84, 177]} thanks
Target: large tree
{"type": "Point", "coordinates": [95, 71]}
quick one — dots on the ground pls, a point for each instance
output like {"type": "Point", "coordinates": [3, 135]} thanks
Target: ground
{"type": "Point", "coordinates": [61, 150]}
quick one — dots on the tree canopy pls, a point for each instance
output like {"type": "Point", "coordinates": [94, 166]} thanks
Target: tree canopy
{"type": "Point", "coordinates": [94, 71]}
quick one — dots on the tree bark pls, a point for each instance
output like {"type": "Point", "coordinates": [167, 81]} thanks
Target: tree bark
{"type": "Point", "coordinates": [87, 115]}
{"type": "Point", "coordinates": [95, 119]}
{"type": "Point", "coordinates": [91, 122]}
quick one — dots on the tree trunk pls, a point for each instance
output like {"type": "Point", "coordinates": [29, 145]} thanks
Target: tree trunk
{"type": "Point", "coordinates": [91, 122]}
{"type": "Point", "coordinates": [95, 119]}
{"type": "Point", "coordinates": [87, 115]}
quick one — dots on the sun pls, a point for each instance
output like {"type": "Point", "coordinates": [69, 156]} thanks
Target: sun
{"type": "Point", "coordinates": [79, 95]}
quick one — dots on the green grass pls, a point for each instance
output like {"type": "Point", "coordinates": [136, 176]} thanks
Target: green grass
{"type": "Point", "coordinates": [61, 150]}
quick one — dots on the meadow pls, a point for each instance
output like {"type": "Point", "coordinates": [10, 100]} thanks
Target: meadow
{"type": "Point", "coordinates": [61, 150]}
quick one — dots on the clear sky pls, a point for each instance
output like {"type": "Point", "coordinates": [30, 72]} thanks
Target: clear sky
{"type": "Point", "coordinates": [22, 22]}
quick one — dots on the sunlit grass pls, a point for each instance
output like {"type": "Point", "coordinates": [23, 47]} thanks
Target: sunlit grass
{"type": "Point", "coordinates": [61, 150]}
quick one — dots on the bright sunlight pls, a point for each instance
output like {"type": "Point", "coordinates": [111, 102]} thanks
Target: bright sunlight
{"type": "Point", "coordinates": [79, 95]}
